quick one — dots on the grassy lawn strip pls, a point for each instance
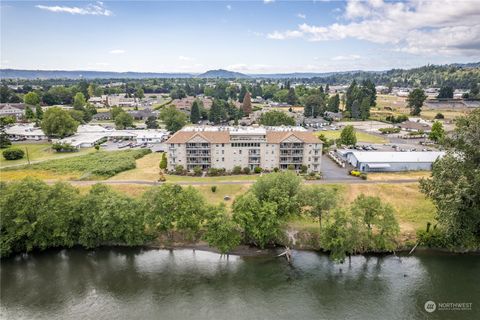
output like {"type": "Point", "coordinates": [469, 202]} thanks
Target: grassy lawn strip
{"type": "Point", "coordinates": [95, 165]}
{"type": "Point", "coordinates": [39, 151]}
{"type": "Point", "coordinates": [382, 176]}
{"type": "Point", "coordinates": [361, 136]}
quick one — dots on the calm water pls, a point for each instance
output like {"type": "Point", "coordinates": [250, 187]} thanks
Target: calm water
{"type": "Point", "coordinates": [158, 284]}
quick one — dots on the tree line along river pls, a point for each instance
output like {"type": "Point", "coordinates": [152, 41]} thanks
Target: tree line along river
{"type": "Point", "coordinates": [133, 283]}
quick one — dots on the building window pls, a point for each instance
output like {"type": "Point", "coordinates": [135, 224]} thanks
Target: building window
{"type": "Point", "coordinates": [239, 151]}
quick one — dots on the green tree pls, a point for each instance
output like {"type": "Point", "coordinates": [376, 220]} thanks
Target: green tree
{"type": "Point", "coordinates": [314, 105]}
{"type": "Point", "coordinates": [318, 200]}
{"type": "Point", "coordinates": [280, 188]}
{"type": "Point", "coordinates": [79, 101]}
{"type": "Point", "coordinates": [348, 136]}
{"type": "Point", "coordinates": [77, 115]}
{"type": "Point", "coordinates": [31, 98]}
{"type": "Point", "coordinates": [38, 112]}
{"type": "Point", "coordinates": [174, 119]}
{"type": "Point", "coordinates": [108, 217]}
{"type": "Point", "coordinates": [58, 123]}
{"type": "Point", "coordinates": [195, 112]}
{"type": "Point", "coordinates": [221, 231]}
{"type": "Point", "coordinates": [446, 92]}
{"type": "Point", "coordinates": [139, 94]}
{"type": "Point", "coordinates": [151, 122]}
{"type": "Point", "coordinates": [115, 111]}
{"type": "Point", "coordinates": [437, 133]}
{"type": "Point", "coordinates": [455, 184]}
{"type": "Point", "coordinates": [276, 118]}
{"type": "Point", "coordinates": [163, 162]}
{"type": "Point", "coordinates": [379, 216]}
{"type": "Point", "coordinates": [29, 113]}
{"type": "Point", "coordinates": [334, 103]}
{"type": "Point", "coordinates": [292, 97]}
{"type": "Point", "coordinates": [123, 120]}
{"type": "Point", "coordinates": [415, 101]}
{"type": "Point", "coordinates": [259, 220]}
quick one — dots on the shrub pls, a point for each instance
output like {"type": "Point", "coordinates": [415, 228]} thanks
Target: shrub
{"type": "Point", "coordinates": [13, 154]}
{"type": "Point", "coordinates": [197, 171]}
{"type": "Point", "coordinates": [179, 170]}
{"type": "Point", "coordinates": [389, 130]}
{"type": "Point", "coordinates": [439, 116]}
{"type": "Point", "coordinates": [363, 176]}
{"type": "Point", "coordinates": [275, 169]}
{"type": "Point", "coordinates": [214, 189]}
{"type": "Point", "coordinates": [97, 147]}
{"type": "Point", "coordinates": [237, 170]}
{"type": "Point", "coordinates": [257, 170]}
{"type": "Point", "coordinates": [303, 168]}
{"type": "Point", "coordinates": [291, 167]}
{"type": "Point", "coordinates": [246, 170]}
{"type": "Point", "coordinates": [65, 147]}
{"type": "Point", "coordinates": [398, 119]}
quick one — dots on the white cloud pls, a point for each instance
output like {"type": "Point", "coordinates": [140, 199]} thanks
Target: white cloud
{"type": "Point", "coordinates": [346, 58]}
{"type": "Point", "coordinates": [184, 58]}
{"type": "Point", "coordinates": [97, 9]}
{"type": "Point", "coordinates": [301, 16]}
{"type": "Point", "coordinates": [117, 51]}
{"type": "Point", "coordinates": [422, 27]}
{"type": "Point", "coordinates": [268, 1]}
{"type": "Point", "coordinates": [229, 7]}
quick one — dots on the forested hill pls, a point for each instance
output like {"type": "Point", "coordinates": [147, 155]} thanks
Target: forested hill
{"type": "Point", "coordinates": [455, 75]}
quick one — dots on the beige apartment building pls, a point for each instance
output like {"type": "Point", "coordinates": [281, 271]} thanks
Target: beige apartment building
{"type": "Point", "coordinates": [227, 147]}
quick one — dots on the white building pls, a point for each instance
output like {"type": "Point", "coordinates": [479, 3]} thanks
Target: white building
{"type": "Point", "coordinates": [379, 161]}
{"type": "Point", "coordinates": [12, 109]}
{"type": "Point", "coordinates": [25, 132]}
{"type": "Point", "coordinates": [228, 147]}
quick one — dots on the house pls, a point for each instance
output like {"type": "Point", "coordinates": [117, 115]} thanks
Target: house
{"type": "Point", "coordinates": [379, 161]}
{"type": "Point", "coordinates": [12, 109]}
{"type": "Point", "coordinates": [102, 116]}
{"type": "Point", "coordinates": [143, 114]}
{"type": "Point", "coordinates": [228, 147]}
{"type": "Point", "coordinates": [25, 132]}
{"type": "Point", "coordinates": [335, 116]}
{"type": "Point", "coordinates": [415, 126]}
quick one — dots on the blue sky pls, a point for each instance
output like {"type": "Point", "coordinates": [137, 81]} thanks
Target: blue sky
{"type": "Point", "coordinates": [247, 36]}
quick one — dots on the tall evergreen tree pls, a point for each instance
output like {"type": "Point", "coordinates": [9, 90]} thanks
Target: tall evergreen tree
{"type": "Point", "coordinates": [195, 112]}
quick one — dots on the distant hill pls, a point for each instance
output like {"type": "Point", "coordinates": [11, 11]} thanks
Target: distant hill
{"type": "Point", "coordinates": [59, 74]}
{"type": "Point", "coordinates": [220, 73]}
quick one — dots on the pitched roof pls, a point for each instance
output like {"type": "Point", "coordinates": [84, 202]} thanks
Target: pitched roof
{"type": "Point", "coordinates": [212, 137]}
{"type": "Point", "coordinates": [279, 136]}
{"type": "Point", "coordinates": [13, 105]}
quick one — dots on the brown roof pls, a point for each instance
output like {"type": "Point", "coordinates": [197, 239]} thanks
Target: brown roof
{"type": "Point", "coordinates": [212, 137]}
{"type": "Point", "coordinates": [224, 136]}
{"type": "Point", "coordinates": [279, 136]}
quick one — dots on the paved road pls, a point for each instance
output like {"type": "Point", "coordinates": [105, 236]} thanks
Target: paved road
{"type": "Point", "coordinates": [331, 171]}
{"type": "Point", "coordinates": [206, 183]}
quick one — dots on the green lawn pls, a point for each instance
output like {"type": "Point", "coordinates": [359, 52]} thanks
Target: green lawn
{"type": "Point", "coordinates": [361, 136]}
{"type": "Point", "coordinates": [39, 151]}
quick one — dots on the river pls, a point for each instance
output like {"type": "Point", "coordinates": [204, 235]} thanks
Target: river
{"type": "Point", "coordinates": [132, 283]}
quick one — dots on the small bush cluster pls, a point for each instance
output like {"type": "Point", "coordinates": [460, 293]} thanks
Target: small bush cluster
{"type": "Point", "coordinates": [13, 154]}
{"type": "Point", "coordinates": [64, 147]}
{"type": "Point", "coordinates": [389, 130]}
{"type": "Point", "coordinates": [397, 119]}
{"type": "Point", "coordinates": [214, 172]}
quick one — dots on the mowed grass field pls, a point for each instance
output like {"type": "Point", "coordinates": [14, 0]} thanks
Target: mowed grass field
{"type": "Point", "coordinates": [361, 136]}
{"type": "Point", "coordinates": [39, 151]}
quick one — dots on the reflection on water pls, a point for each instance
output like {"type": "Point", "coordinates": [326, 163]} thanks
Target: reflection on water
{"type": "Point", "coordinates": [186, 284]}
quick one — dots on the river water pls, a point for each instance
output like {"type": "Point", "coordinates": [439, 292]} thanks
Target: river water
{"type": "Point", "coordinates": [185, 284]}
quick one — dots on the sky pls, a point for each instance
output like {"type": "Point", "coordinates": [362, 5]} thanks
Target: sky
{"type": "Point", "coordinates": [245, 36]}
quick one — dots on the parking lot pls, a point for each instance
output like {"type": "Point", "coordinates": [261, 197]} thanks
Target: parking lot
{"type": "Point", "coordinates": [113, 145]}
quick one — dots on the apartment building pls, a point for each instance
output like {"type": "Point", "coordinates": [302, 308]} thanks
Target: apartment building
{"type": "Point", "coordinates": [227, 147]}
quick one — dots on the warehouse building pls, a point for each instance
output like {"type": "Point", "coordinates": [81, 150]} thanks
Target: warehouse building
{"type": "Point", "coordinates": [229, 147]}
{"type": "Point", "coordinates": [371, 161]}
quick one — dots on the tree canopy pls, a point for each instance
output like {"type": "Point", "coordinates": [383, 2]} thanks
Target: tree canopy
{"type": "Point", "coordinates": [58, 123]}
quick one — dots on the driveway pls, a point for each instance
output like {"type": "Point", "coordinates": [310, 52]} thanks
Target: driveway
{"type": "Point", "coordinates": [331, 171]}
